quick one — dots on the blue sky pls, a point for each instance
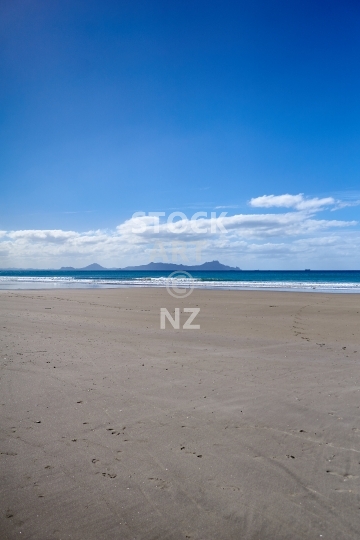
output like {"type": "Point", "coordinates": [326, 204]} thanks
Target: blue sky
{"type": "Point", "coordinates": [114, 107]}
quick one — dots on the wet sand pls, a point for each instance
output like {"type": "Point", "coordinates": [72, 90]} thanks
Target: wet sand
{"type": "Point", "coordinates": [247, 428]}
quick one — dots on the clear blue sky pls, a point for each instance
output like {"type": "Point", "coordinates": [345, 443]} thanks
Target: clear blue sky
{"type": "Point", "coordinates": [111, 107]}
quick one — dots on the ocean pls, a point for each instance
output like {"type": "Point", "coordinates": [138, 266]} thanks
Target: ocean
{"type": "Point", "coordinates": [283, 280]}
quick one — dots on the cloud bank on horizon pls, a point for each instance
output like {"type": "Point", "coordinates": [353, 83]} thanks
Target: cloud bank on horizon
{"type": "Point", "coordinates": [294, 237]}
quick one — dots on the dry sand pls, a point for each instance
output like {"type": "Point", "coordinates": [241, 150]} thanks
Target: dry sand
{"type": "Point", "coordinates": [114, 429]}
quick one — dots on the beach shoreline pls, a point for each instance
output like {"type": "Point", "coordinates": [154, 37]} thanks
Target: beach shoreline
{"type": "Point", "coordinates": [343, 281]}
{"type": "Point", "coordinates": [319, 288]}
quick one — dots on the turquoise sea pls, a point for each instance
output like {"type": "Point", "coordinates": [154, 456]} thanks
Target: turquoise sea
{"type": "Point", "coordinates": [313, 281]}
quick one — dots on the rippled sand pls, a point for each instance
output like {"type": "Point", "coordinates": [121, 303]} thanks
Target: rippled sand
{"type": "Point", "coordinates": [247, 428]}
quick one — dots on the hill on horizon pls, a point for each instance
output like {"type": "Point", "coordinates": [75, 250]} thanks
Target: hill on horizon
{"type": "Point", "coordinates": [207, 266]}
{"type": "Point", "coordinates": [93, 266]}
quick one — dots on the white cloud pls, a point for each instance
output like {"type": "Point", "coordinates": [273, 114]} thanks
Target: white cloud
{"type": "Point", "coordinates": [141, 229]}
{"type": "Point", "coordinates": [299, 202]}
{"type": "Point", "coordinates": [57, 236]}
{"type": "Point", "coordinates": [227, 206]}
{"type": "Point", "coordinates": [345, 204]}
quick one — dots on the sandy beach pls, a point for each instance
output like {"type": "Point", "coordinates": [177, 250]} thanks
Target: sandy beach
{"type": "Point", "coordinates": [247, 428]}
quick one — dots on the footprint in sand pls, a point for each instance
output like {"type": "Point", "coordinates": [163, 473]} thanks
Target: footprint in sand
{"type": "Point", "coordinates": [114, 432]}
{"type": "Point", "coordinates": [159, 483]}
{"type": "Point", "coordinates": [344, 476]}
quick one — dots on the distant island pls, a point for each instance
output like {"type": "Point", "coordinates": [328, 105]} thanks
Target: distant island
{"type": "Point", "coordinates": [207, 266]}
{"type": "Point", "coordinates": [213, 265]}
{"type": "Point", "coordinates": [93, 266]}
